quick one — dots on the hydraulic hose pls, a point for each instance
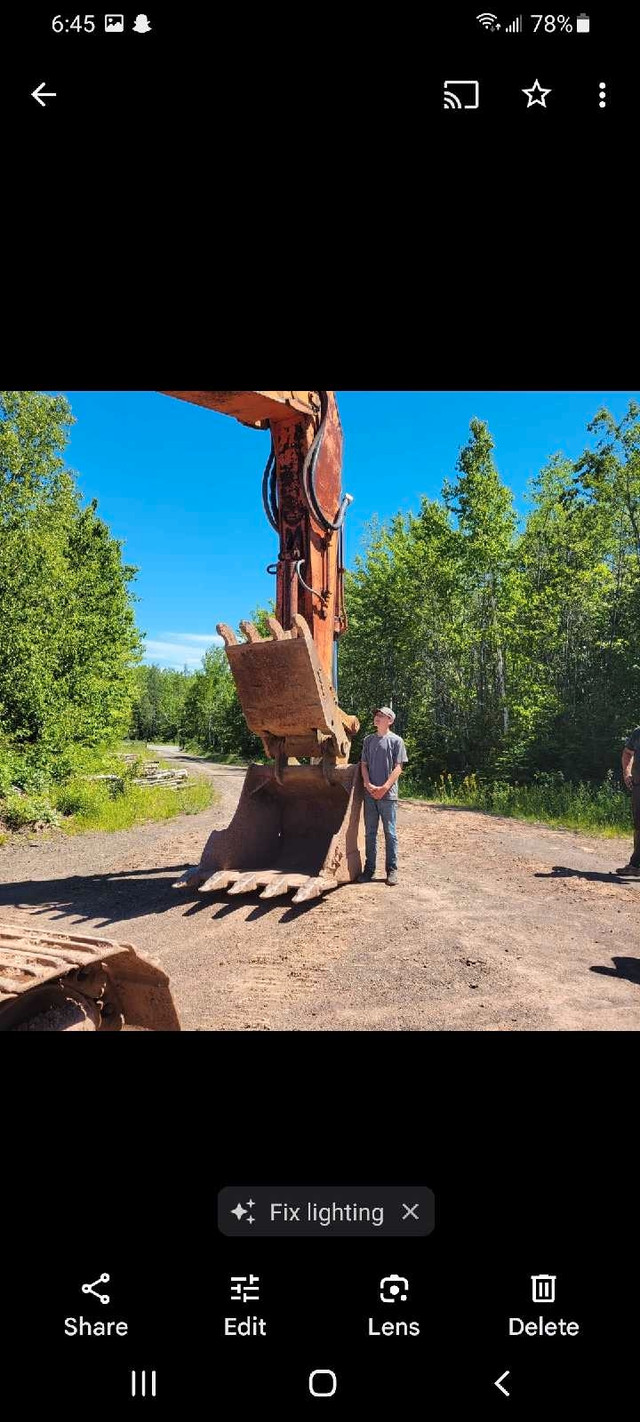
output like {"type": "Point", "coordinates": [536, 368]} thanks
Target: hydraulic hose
{"type": "Point", "coordinates": [309, 475]}
{"type": "Point", "coordinates": [270, 490]}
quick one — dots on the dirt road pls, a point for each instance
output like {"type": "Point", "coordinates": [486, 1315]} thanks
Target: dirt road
{"type": "Point", "coordinates": [496, 925]}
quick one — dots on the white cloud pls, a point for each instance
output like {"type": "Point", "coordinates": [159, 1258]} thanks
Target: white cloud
{"type": "Point", "coordinates": [180, 649]}
{"type": "Point", "coordinates": [202, 639]}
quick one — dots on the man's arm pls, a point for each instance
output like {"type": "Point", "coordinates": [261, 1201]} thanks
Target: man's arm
{"type": "Point", "coordinates": [627, 761]}
{"type": "Point", "coordinates": [365, 771]}
{"type": "Point", "coordinates": [395, 775]}
{"type": "Point", "coordinates": [365, 774]}
{"type": "Point", "coordinates": [376, 791]}
{"type": "Point", "coordinates": [401, 753]}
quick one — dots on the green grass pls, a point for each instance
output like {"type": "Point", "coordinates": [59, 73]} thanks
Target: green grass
{"type": "Point", "coordinates": [73, 803]}
{"type": "Point", "coordinates": [603, 809]}
{"type": "Point", "coordinates": [90, 805]}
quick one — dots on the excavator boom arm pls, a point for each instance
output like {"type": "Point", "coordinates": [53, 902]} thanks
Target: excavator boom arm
{"type": "Point", "coordinates": [296, 826]}
{"type": "Point", "coordinates": [303, 501]}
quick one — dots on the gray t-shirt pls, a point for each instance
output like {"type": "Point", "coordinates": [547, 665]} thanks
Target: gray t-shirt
{"type": "Point", "coordinates": [382, 754]}
{"type": "Point", "coordinates": [632, 743]}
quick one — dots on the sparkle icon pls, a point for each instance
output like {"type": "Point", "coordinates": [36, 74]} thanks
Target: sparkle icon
{"type": "Point", "coordinates": [536, 94]}
{"type": "Point", "coordinates": [240, 1211]}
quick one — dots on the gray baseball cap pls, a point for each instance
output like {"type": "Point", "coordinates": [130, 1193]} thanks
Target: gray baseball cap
{"type": "Point", "coordinates": [385, 711]}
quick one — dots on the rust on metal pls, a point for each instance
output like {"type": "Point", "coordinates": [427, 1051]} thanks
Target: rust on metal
{"type": "Point", "coordinates": [253, 407]}
{"type": "Point", "coordinates": [277, 630]}
{"type": "Point", "coordinates": [284, 835]}
{"type": "Point", "coordinates": [251, 632]}
{"type": "Point", "coordinates": [309, 554]}
{"type": "Point", "coordinates": [40, 969]}
{"type": "Point", "coordinates": [296, 826]}
{"type": "Point", "coordinates": [286, 696]}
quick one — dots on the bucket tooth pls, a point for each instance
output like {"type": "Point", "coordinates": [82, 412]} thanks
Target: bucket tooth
{"type": "Point", "coordinates": [191, 879]}
{"type": "Point", "coordinates": [251, 632]}
{"type": "Point", "coordinates": [302, 833]}
{"type": "Point", "coordinates": [219, 880]}
{"type": "Point", "coordinates": [278, 885]}
{"type": "Point", "coordinates": [277, 630]}
{"type": "Point", "coordinates": [314, 886]}
{"type": "Point", "coordinates": [303, 628]}
{"type": "Point", "coordinates": [228, 635]}
{"type": "Point", "coordinates": [245, 883]}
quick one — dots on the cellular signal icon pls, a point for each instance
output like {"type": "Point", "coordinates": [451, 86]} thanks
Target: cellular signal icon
{"type": "Point", "coordinates": [488, 22]}
{"type": "Point", "coordinates": [516, 27]}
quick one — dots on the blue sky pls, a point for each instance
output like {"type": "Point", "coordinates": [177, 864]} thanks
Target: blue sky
{"type": "Point", "coordinates": [180, 485]}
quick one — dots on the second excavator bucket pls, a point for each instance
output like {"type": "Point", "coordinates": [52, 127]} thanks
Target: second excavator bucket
{"type": "Point", "coordinates": [285, 693]}
{"type": "Point", "coordinates": [300, 830]}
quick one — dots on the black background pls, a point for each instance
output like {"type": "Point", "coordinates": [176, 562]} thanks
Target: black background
{"type": "Point", "coordinates": [112, 1162]}
{"type": "Point", "coordinates": [358, 78]}
{"type": "Point", "coordinates": [531, 1165]}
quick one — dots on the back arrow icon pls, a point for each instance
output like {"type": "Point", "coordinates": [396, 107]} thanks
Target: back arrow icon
{"type": "Point", "coordinates": [36, 94]}
{"type": "Point", "coordinates": [499, 1381]}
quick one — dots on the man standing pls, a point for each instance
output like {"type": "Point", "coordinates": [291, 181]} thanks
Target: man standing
{"type": "Point", "coordinates": [383, 756]}
{"type": "Point", "coordinates": [631, 777]}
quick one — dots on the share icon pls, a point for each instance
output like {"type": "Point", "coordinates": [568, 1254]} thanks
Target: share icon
{"type": "Point", "coordinates": [91, 1288]}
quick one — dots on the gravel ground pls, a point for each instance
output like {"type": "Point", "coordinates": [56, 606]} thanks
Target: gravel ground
{"type": "Point", "coordinates": [496, 925]}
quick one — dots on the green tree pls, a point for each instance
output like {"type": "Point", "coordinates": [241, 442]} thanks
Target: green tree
{"type": "Point", "coordinates": [68, 641]}
{"type": "Point", "coordinates": [486, 524]}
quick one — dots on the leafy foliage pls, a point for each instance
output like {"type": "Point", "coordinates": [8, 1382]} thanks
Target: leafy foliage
{"type": "Point", "coordinates": [506, 651]}
{"type": "Point", "coordinates": [67, 631]}
{"type": "Point", "coordinates": [198, 708]}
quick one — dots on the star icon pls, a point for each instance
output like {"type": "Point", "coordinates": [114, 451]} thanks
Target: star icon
{"type": "Point", "coordinates": [238, 1212]}
{"type": "Point", "coordinates": [538, 97]}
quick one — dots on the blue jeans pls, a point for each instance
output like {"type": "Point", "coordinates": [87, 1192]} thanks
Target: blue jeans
{"type": "Point", "coordinates": [385, 810]}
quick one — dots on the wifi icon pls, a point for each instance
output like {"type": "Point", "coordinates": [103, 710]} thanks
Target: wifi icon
{"type": "Point", "coordinates": [488, 22]}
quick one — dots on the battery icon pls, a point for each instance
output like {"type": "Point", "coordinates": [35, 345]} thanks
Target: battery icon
{"type": "Point", "coordinates": [582, 25]}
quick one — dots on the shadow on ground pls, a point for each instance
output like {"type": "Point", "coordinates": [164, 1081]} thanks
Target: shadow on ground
{"type": "Point", "coordinates": [562, 871]}
{"type": "Point", "coordinates": [627, 968]}
{"type": "Point", "coordinates": [105, 899]}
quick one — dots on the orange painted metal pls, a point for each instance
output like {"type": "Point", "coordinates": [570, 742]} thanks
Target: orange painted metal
{"type": "Point", "coordinates": [253, 407]}
{"type": "Point", "coordinates": [296, 826]}
{"type": "Point", "coordinates": [308, 554]}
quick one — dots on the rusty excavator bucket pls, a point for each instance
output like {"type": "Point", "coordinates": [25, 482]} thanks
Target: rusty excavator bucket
{"type": "Point", "coordinates": [63, 982]}
{"type": "Point", "coordinates": [296, 826]}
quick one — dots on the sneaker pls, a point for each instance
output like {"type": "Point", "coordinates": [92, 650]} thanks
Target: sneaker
{"type": "Point", "coordinates": [629, 870]}
{"type": "Point", "coordinates": [366, 876]}
{"type": "Point", "coordinates": [392, 876]}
